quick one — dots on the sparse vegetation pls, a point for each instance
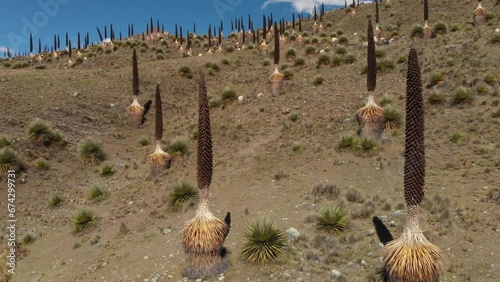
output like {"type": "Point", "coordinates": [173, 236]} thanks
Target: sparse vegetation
{"type": "Point", "coordinates": [332, 220]}
{"type": "Point", "coordinates": [9, 161]}
{"type": "Point", "coordinates": [417, 31]}
{"type": "Point", "coordinates": [323, 60]}
{"type": "Point", "coordinates": [318, 80]}
{"type": "Point", "coordinates": [106, 170]}
{"type": "Point", "coordinates": [178, 148]}
{"type": "Point", "coordinates": [182, 195]}
{"type": "Point", "coordinates": [28, 239]}
{"type": "Point", "coordinates": [348, 142]}
{"type": "Point", "coordinates": [83, 220]}
{"type": "Point", "coordinates": [264, 242]}
{"type": "Point", "coordinates": [55, 200]}
{"type": "Point", "coordinates": [393, 118]}
{"type": "Point", "coordinates": [96, 194]}
{"type": "Point", "coordinates": [186, 72]}
{"type": "Point", "coordinates": [300, 61]}
{"type": "Point", "coordinates": [435, 98]}
{"type": "Point", "coordinates": [91, 152]}
{"type": "Point", "coordinates": [40, 133]}
{"type": "Point", "coordinates": [463, 96]}
{"type": "Point", "coordinates": [367, 145]}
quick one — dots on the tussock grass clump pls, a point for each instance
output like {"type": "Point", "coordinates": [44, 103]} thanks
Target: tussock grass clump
{"type": "Point", "coordinates": [343, 40]}
{"type": "Point", "coordinates": [96, 194]}
{"type": "Point", "coordinates": [288, 74]}
{"type": "Point", "coordinates": [367, 145]}
{"type": "Point", "coordinates": [440, 28]}
{"type": "Point", "coordinates": [41, 164]}
{"type": "Point", "coordinates": [417, 31]}
{"type": "Point", "coordinates": [348, 142]}
{"type": "Point", "coordinates": [323, 60]}
{"type": "Point", "coordinates": [463, 96]}
{"type": "Point", "coordinates": [264, 242]}
{"type": "Point", "coordinates": [393, 118]}
{"type": "Point", "coordinates": [353, 195]}
{"type": "Point", "coordinates": [83, 220]}
{"type": "Point", "coordinates": [300, 61]}
{"type": "Point", "coordinates": [106, 170]}
{"type": "Point", "coordinates": [91, 151]}
{"type": "Point", "coordinates": [332, 219]}
{"type": "Point", "coordinates": [55, 200]}
{"type": "Point", "coordinates": [9, 161]}
{"type": "Point", "coordinates": [228, 96]}
{"type": "Point", "coordinates": [182, 195]}
{"type": "Point", "coordinates": [186, 72]}
{"type": "Point", "coordinates": [341, 50]}
{"type": "Point", "coordinates": [143, 141]}
{"type": "Point", "coordinates": [178, 148]}
{"type": "Point", "coordinates": [329, 191]}
{"type": "Point", "coordinates": [4, 142]}
{"type": "Point", "coordinates": [40, 133]}
{"type": "Point", "coordinates": [291, 54]}
{"type": "Point", "coordinates": [385, 100]}
{"type": "Point", "coordinates": [310, 50]}
{"type": "Point", "coordinates": [318, 80]}
{"type": "Point", "coordinates": [435, 98]}
{"type": "Point", "coordinates": [28, 239]}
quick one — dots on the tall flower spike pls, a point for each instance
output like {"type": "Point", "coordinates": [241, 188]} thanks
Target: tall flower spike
{"type": "Point", "coordinates": [205, 168]}
{"type": "Point", "coordinates": [371, 74]}
{"type": "Point", "coordinates": [136, 111]}
{"type": "Point", "coordinates": [411, 257]}
{"type": "Point", "coordinates": [276, 79]}
{"type": "Point", "coordinates": [414, 169]}
{"type": "Point", "coordinates": [158, 160]}
{"type": "Point", "coordinates": [426, 10]}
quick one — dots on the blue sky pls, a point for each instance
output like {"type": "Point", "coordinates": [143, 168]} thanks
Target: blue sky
{"type": "Point", "coordinates": [44, 18]}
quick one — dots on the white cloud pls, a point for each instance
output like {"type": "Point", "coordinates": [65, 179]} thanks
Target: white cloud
{"type": "Point", "coordinates": [307, 5]}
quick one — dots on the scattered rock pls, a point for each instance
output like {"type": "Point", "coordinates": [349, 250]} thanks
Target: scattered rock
{"type": "Point", "coordinates": [392, 223]}
{"type": "Point", "coordinates": [364, 263]}
{"type": "Point", "coordinates": [348, 120]}
{"type": "Point", "coordinates": [383, 218]}
{"type": "Point", "coordinates": [338, 276]}
{"type": "Point", "coordinates": [370, 232]}
{"type": "Point", "coordinates": [292, 234]}
{"type": "Point", "coordinates": [260, 95]}
{"type": "Point", "coordinates": [76, 94]}
{"type": "Point", "coordinates": [241, 100]}
{"type": "Point", "coordinates": [166, 231]}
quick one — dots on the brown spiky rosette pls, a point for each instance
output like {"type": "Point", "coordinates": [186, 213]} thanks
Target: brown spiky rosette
{"type": "Point", "coordinates": [411, 257]}
{"type": "Point", "coordinates": [276, 82]}
{"type": "Point", "coordinates": [136, 112]}
{"type": "Point", "coordinates": [264, 48]}
{"type": "Point", "coordinates": [371, 119]}
{"type": "Point", "coordinates": [159, 160]}
{"type": "Point", "coordinates": [479, 15]}
{"type": "Point", "coordinates": [203, 238]}
{"type": "Point", "coordinates": [427, 31]}
{"type": "Point", "coordinates": [205, 163]}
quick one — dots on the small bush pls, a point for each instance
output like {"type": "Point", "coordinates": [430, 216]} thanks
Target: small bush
{"type": "Point", "coordinates": [178, 148]}
{"type": "Point", "coordinates": [454, 28]}
{"type": "Point", "coordinates": [160, 57]}
{"type": "Point", "coordinates": [332, 220]}
{"type": "Point", "coordinates": [367, 145]}
{"type": "Point", "coordinates": [159, 51]}
{"type": "Point", "coordinates": [323, 60]}
{"type": "Point", "coordinates": [329, 191]}
{"type": "Point", "coordinates": [264, 241]}
{"type": "Point", "coordinates": [183, 194]}
{"type": "Point", "coordinates": [457, 137]}
{"type": "Point", "coordinates": [55, 200]}
{"type": "Point", "coordinates": [300, 61]}
{"type": "Point", "coordinates": [96, 194]}
{"type": "Point", "coordinates": [40, 133]}
{"type": "Point", "coordinates": [28, 239]}
{"type": "Point", "coordinates": [144, 141]}
{"type": "Point", "coordinates": [440, 28]}
{"type": "Point", "coordinates": [347, 142]}
{"type": "Point", "coordinates": [310, 50]}
{"type": "Point", "coordinates": [340, 32]}
{"type": "Point", "coordinates": [291, 54]}
{"type": "Point", "coordinates": [417, 31]}
{"type": "Point", "coordinates": [337, 61]}
{"type": "Point", "coordinates": [226, 62]}
{"type": "Point", "coordinates": [293, 37]}
{"type": "Point", "coordinates": [481, 88]}
{"type": "Point", "coordinates": [354, 196]}
{"type": "Point", "coordinates": [228, 96]}
{"type": "Point", "coordinates": [343, 40]}
{"type": "Point", "coordinates": [106, 170]}
{"type": "Point", "coordinates": [385, 65]}
{"type": "Point", "coordinates": [186, 72]}
{"type": "Point", "coordinates": [91, 152]}
{"type": "Point", "coordinates": [349, 59]}
{"type": "Point", "coordinates": [4, 142]}
{"type": "Point", "coordinates": [294, 116]}
{"type": "Point", "coordinates": [288, 74]}
{"type": "Point", "coordinates": [108, 51]}
{"type": "Point", "coordinates": [393, 118]}
{"type": "Point", "coordinates": [341, 50]}
{"type": "Point", "coordinates": [297, 147]}
{"type": "Point", "coordinates": [435, 98]}
{"type": "Point", "coordinates": [385, 100]}
{"type": "Point", "coordinates": [9, 161]}
{"type": "Point", "coordinates": [379, 53]}
{"type": "Point", "coordinates": [83, 220]}
{"type": "Point", "coordinates": [314, 40]}
{"type": "Point", "coordinates": [41, 164]}
{"type": "Point", "coordinates": [266, 63]}
{"type": "Point", "coordinates": [20, 65]}
{"type": "Point", "coordinates": [490, 78]}
{"type": "Point", "coordinates": [463, 96]}
{"type": "Point", "coordinates": [318, 80]}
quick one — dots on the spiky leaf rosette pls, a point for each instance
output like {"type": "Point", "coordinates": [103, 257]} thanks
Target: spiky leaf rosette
{"type": "Point", "coordinates": [205, 164]}
{"type": "Point", "coordinates": [371, 74]}
{"type": "Point", "coordinates": [264, 241]}
{"type": "Point", "coordinates": [371, 119]}
{"type": "Point", "coordinates": [411, 257]}
{"type": "Point", "coordinates": [159, 160]}
{"type": "Point", "coordinates": [136, 112]}
{"type": "Point", "coordinates": [159, 115]}
{"type": "Point", "coordinates": [276, 45]}
{"type": "Point", "coordinates": [135, 74]}
{"type": "Point", "coordinates": [414, 168]}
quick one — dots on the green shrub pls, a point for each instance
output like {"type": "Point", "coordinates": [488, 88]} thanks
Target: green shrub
{"type": "Point", "coordinates": [9, 161]}
{"type": "Point", "coordinates": [106, 170]}
{"type": "Point", "coordinates": [367, 145]}
{"type": "Point", "coordinates": [178, 147]}
{"type": "Point", "coordinates": [4, 142]}
{"type": "Point", "coordinates": [343, 40]}
{"type": "Point", "coordinates": [435, 98]}
{"type": "Point", "coordinates": [183, 194]}
{"type": "Point", "coordinates": [83, 220]}
{"type": "Point", "coordinates": [349, 59]}
{"type": "Point", "coordinates": [385, 100]}
{"type": "Point", "coordinates": [20, 65]}
{"type": "Point", "coordinates": [264, 241]}
{"type": "Point", "coordinates": [288, 74]}
{"type": "Point", "coordinates": [310, 50]}
{"type": "Point", "coordinates": [91, 151]}
{"type": "Point", "coordinates": [186, 72]}
{"type": "Point", "coordinates": [332, 220]}
{"type": "Point", "coordinates": [318, 80]}
{"type": "Point", "coordinates": [323, 60]}
{"type": "Point", "coordinates": [300, 61]}
{"type": "Point", "coordinates": [379, 53]}
{"type": "Point", "coordinates": [463, 96]}
{"type": "Point", "coordinates": [347, 142]}
{"type": "Point", "coordinates": [291, 53]}
{"type": "Point", "coordinates": [96, 194]}
{"type": "Point", "coordinates": [440, 28]}
{"type": "Point", "coordinates": [55, 200]}
{"type": "Point", "coordinates": [341, 50]}
{"type": "Point", "coordinates": [417, 31]}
